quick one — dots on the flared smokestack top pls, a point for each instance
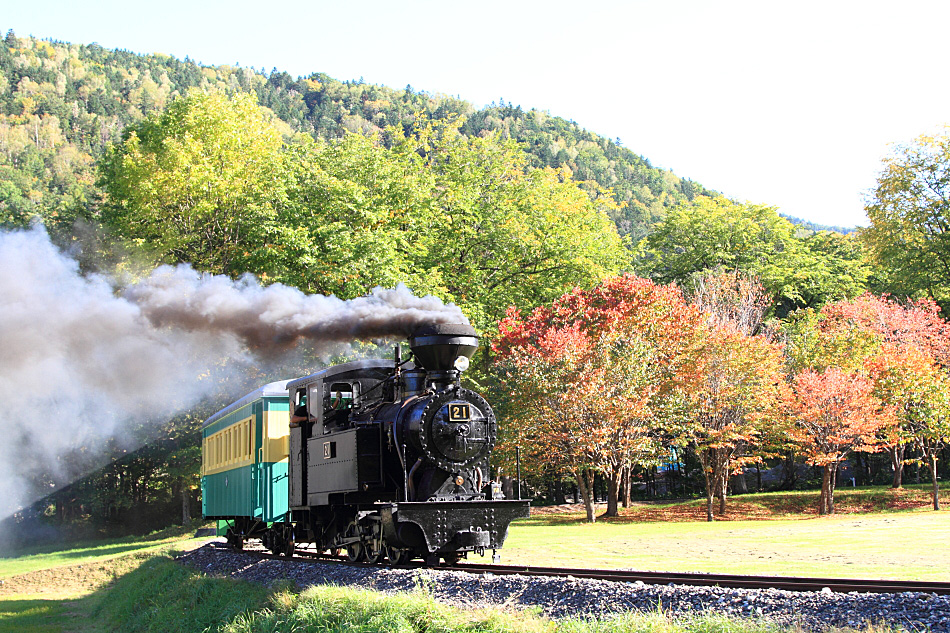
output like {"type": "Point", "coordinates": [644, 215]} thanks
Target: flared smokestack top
{"type": "Point", "coordinates": [437, 347]}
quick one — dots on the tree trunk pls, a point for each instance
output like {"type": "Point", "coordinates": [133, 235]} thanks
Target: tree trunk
{"type": "Point", "coordinates": [825, 490]}
{"type": "Point", "coordinates": [723, 490]}
{"type": "Point", "coordinates": [185, 504]}
{"type": "Point", "coordinates": [710, 488]}
{"type": "Point", "coordinates": [613, 493]}
{"type": "Point", "coordinates": [739, 485]}
{"type": "Point", "coordinates": [586, 493]}
{"type": "Point", "coordinates": [860, 469]}
{"type": "Point", "coordinates": [897, 463]}
{"type": "Point", "coordinates": [627, 484]}
{"type": "Point", "coordinates": [831, 488]}
{"type": "Point", "coordinates": [789, 472]}
{"type": "Point", "coordinates": [932, 459]}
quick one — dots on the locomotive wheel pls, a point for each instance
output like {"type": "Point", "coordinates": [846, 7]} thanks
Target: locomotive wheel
{"type": "Point", "coordinates": [287, 545]}
{"type": "Point", "coordinates": [451, 558]}
{"type": "Point", "coordinates": [375, 550]}
{"type": "Point", "coordinates": [374, 556]}
{"type": "Point", "coordinates": [397, 555]}
{"type": "Point", "coordinates": [354, 551]}
{"type": "Point", "coordinates": [234, 539]}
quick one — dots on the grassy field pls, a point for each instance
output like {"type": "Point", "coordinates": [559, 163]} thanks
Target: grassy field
{"type": "Point", "coordinates": [49, 556]}
{"type": "Point", "coordinates": [130, 585]}
{"type": "Point", "coordinates": [901, 546]}
{"type": "Point", "coordinates": [49, 589]}
{"type": "Point", "coordinates": [879, 533]}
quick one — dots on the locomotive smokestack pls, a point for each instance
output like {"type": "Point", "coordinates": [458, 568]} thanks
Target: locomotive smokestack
{"type": "Point", "coordinates": [438, 349]}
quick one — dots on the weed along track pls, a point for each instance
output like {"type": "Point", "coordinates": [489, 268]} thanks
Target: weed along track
{"type": "Point", "coordinates": [813, 604]}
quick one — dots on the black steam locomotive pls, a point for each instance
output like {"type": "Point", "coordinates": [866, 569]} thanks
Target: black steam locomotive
{"type": "Point", "coordinates": [390, 459]}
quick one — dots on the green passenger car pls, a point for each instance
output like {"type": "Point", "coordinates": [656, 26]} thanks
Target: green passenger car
{"type": "Point", "coordinates": [244, 455]}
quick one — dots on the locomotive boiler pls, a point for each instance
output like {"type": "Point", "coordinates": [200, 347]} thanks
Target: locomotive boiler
{"type": "Point", "coordinates": [385, 460]}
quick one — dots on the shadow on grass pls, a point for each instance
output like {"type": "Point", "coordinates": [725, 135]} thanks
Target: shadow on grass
{"type": "Point", "coordinates": [108, 546]}
{"type": "Point", "coordinates": [41, 615]}
{"type": "Point", "coordinates": [158, 595]}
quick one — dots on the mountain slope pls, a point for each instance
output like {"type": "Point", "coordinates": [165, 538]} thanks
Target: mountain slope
{"type": "Point", "coordinates": [61, 104]}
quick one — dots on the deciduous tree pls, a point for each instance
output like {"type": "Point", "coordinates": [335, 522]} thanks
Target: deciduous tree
{"type": "Point", "coordinates": [836, 413]}
{"type": "Point", "coordinates": [496, 233]}
{"type": "Point", "coordinates": [910, 217]}
{"type": "Point", "coordinates": [200, 183]}
{"type": "Point", "coordinates": [730, 395]}
{"type": "Point", "coordinates": [918, 391]}
{"type": "Point", "coordinates": [873, 332]}
{"type": "Point", "coordinates": [589, 372]}
{"type": "Point", "coordinates": [718, 234]}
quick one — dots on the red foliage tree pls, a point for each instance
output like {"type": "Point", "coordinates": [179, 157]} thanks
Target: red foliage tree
{"type": "Point", "coordinates": [836, 412]}
{"type": "Point", "coordinates": [588, 373]}
{"type": "Point", "coordinates": [868, 334]}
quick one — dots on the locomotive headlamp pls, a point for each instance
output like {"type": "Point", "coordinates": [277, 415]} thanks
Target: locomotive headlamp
{"type": "Point", "coordinates": [459, 480]}
{"type": "Point", "coordinates": [462, 363]}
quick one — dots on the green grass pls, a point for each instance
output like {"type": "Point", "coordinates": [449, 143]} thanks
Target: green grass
{"type": "Point", "coordinates": [164, 597]}
{"type": "Point", "coordinates": [45, 557]}
{"type": "Point", "coordinates": [32, 616]}
{"type": "Point", "coordinates": [147, 591]}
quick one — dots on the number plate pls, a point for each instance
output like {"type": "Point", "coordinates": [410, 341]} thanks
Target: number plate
{"type": "Point", "coordinates": [459, 412]}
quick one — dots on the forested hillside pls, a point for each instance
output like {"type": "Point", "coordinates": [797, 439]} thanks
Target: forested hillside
{"type": "Point", "coordinates": [61, 104]}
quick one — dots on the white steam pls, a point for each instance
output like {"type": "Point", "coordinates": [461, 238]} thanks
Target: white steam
{"type": "Point", "coordinates": [82, 360]}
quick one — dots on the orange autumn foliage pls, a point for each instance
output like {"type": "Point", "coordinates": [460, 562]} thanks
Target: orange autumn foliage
{"type": "Point", "coordinates": [836, 412]}
{"type": "Point", "coordinates": [588, 372]}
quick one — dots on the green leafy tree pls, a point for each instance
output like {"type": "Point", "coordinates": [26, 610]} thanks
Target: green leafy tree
{"type": "Point", "coordinates": [909, 211]}
{"type": "Point", "coordinates": [717, 234]}
{"type": "Point", "coordinates": [355, 218]}
{"type": "Point", "coordinates": [200, 183]}
{"type": "Point", "coordinates": [498, 234]}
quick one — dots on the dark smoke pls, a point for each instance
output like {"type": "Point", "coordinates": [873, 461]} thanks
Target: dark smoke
{"type": "Point", "coordinates": [271, 318]}
{"type": "Point", "coordinates": [82, 360]}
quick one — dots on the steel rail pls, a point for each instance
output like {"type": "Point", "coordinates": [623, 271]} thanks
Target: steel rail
{"type": "Point", "coordinates": [837, 585]}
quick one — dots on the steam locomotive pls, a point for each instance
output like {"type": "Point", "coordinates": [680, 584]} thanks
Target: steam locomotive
{"type": "Point", "coordinates": [390, 460]}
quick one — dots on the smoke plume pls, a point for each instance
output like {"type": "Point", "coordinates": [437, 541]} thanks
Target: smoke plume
{"type": "Point", "coordinates": [82, 359]}
{"type": "Point", "coordinates": [271, 318]}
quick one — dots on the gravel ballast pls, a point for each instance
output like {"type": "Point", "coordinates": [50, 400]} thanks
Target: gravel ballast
{"type": "Point", "coordinates": [577, 597]}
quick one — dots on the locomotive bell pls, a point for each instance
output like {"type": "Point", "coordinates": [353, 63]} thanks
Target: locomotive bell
{"type": "Point", "coordinates": [443, 350]}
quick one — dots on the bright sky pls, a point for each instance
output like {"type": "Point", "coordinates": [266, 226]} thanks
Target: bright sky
{"type": "Point", "coordinates": [791, 104]}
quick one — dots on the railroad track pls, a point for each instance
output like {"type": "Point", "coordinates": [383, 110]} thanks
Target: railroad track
{"type": "Point", "coordinates": [837, 585]}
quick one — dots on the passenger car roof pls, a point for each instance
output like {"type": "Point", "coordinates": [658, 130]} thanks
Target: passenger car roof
{"type": "Point", "coordinates": [270, 390]}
